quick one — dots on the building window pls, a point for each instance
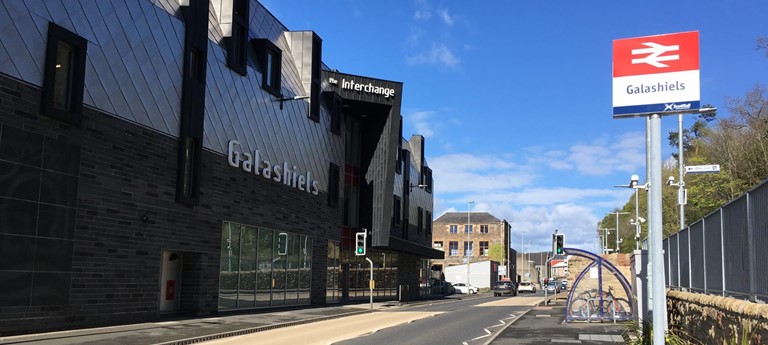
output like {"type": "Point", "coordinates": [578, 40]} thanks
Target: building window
{"type": "Point", "coordinates": [454, 229]}
{"type": "Point", "coordinates": [334, 172]}
{"type": "Point", "coordinates": [426, 176]}
{"type": "Point", "coordinates": [236, 49]}
{"type": "Point", "coordinates": [396, 215]}
{"type": "Point", "coordinates": [251, 256]}
{"type": "Point", "coordinates": [188, 171]}
{"type": "Point", "coordinates": [399, 158]}
{"type": "Point", "coordinates": [438, 245]}
{"type": "Point", "coordinates": [335, 109]}
{"type": "Point", "coordinates": [484, 229]}
{"type": "Point", "coordinates": [429, 222]}
{"type": "Point", "coordinates": [270, 61]}
{"type": "Point", "coordinates": [316, 78]}
{"type": "Point", "coordinates": [419, 219]}
{"type": "Point", "coordinates": [64, 75]}
{"type": "Point", "coordinates": [196, 65]}
{"type": "Point", "coordinates": [237, 44]}
{"type": "Point", "coordinates": [467, 228]}
{"type": "Point", "coordinates": [453, 248]}
{"type": "Point", "coordinates": [484, 248]}
{"type": "Point", "coordinates": [468, 248]}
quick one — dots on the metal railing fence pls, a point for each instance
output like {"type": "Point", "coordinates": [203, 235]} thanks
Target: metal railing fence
{"type": "Point", "coordinates": [723, 253]}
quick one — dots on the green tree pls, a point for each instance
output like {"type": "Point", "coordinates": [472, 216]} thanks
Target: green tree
{"type": "Point", "coordinates": [496, 253]}
{"type": "Point", "coordinates": [738, 143]}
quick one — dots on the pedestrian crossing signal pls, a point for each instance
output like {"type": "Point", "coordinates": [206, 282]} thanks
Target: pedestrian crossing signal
{"type": "Point", "coordinates": [360, 240]}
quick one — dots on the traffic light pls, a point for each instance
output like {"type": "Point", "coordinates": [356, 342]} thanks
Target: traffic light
{"type": "Point", "coordinates": [559, 239]}
{"type": "Point", "coordinates": [360, 239]}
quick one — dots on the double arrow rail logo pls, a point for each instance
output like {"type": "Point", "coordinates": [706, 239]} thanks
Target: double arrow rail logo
{"type": "Point", "coordinates": [655, 52]}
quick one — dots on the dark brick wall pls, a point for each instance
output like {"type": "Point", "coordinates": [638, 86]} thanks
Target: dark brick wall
{"type": "Point", "coordinates": [118, 213]}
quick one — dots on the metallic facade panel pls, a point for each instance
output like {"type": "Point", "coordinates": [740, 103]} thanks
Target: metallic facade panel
{"type": "Point", "coordinates": [698, 256]}
{"type": "Point", "coordinates": [667, 270]}
{"type": "Point", "coordinates": [134, 71]}
{"type": "Point", "coordinates": [713, 247]}
{"type": "Point", "coordinates": [674, 261]}
{"type": "Point", "coordinates": [685, 278]}
{"type": "Point", "coordinates": [758, 212]}
{"type": "Point", "coordinates": [23, 39]}
{"type": "Point", "coordinates": [736, 246]}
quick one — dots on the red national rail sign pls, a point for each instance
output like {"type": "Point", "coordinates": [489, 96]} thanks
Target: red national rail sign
{"type": "Point", "coordinates": [656, 74]}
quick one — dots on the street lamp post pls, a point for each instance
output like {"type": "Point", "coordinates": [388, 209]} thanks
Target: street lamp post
{"type": "Point", "coordinates": [467, 246]}
{"type": "Point", "coordinates": [681, 187]}
{"type": "Point", "coordinates": [604, 240]}
{"type": "Point", "coordinates": [634, 181]}
{"type": "Point", "coordinates": [617, 213]}
{"type": "Point", "coordinates": [522, 249]}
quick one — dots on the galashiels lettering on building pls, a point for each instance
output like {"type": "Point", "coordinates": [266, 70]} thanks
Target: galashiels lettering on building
{"type": "Point", "coordinates": [251, 162]}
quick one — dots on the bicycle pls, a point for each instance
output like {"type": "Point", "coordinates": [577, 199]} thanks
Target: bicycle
{"type": "Point", "coordinates": [588, 305]}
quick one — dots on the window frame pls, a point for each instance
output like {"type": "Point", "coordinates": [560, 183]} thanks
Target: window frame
{"type": "Point", "coordinates": [453, 248]}
{"type": "Point", "coordinates": [73, 112]}
{"type": "Point", "coordinates": [336, 109]}
{"type": "Point", "coordinates": [237, 43]}
{"type": "Point", "coordinates": [428, 221]}
{"type": "Point", "coordinates": [483, 228]}
{"type": "Point", "coordinates": [334, 183]}
{"type": "Point", "coordinates": [396, 211]}
{"type": "Point", "coordinates": [264, 49]}
{"type": "Point", "coordinates": [453, 228]}
{"type": "Point", "coordinates": [484, 248]}
{"type": "Point", "coordinates": [419, 219]}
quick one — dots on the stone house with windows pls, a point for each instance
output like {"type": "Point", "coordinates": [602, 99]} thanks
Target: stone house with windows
{"type": "Point", "coordinates": [468, 234]}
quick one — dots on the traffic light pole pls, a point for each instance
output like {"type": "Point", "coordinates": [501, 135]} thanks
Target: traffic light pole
{"type": "Point", "coordinates": [370, 281]}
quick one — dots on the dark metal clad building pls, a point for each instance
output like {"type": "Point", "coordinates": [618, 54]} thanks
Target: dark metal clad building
{"type": "Point", "coordinates": [164, 157]}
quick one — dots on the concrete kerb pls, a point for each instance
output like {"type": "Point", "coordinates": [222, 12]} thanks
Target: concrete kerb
{"type": "Point", "coordinates": [493, 337]}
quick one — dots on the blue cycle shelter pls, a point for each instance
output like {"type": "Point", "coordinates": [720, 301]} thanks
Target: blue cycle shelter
{"type": "Point", "coordinates": [597, 304]}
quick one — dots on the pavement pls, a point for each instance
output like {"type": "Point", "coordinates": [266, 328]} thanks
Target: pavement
{"type": "Point", "coordinates": [544, 325]}
{"type": "Point", "coordinates": [539, 325]}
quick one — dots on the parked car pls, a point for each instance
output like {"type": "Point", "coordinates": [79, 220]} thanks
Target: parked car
{"type": "Point", "coordinates": [464, 288]}
{"type": "Point", "coordinates": [553, 287]}
{"type": "Point", "coordinates": [505, 288]}
{"type": "Point", "coordinates": [563, 285]}
{"type": "Point", "coordinates": [526, 287]}
{"type": "Point", "coordinates": [442, 287]}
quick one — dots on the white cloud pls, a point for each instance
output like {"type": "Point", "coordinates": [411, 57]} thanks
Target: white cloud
{"type": "Point", "coordinates": [422, 14]}
{"type": "Point", "coordinates": [534, 225]}
{"type": "Point", "coordinates": [462, 173]}
{"type": "Point", "coordinates": [625, 154]}
{"type": "Point", "coordinates": [447, 18]}
{"type": "Point", "coordinates": [529, 189]}
{"type": "Point", "coordinates": [421, 121]}
{"type": "Point", "coordinates": [438, 54]}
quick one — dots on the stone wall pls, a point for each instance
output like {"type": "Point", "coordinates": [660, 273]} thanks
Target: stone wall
{"type": "Point", "coordinates": [710, 319]}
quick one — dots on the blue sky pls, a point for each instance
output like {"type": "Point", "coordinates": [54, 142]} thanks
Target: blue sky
{"type": "Point", "coordinates": [514, 97]}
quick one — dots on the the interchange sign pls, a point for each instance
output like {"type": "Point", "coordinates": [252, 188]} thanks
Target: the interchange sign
{"type": "Point", "coordinates": [656, 74]}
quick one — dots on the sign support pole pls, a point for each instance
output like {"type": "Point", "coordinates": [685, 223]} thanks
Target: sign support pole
{"type": "Point", "coordinates": [681, 184]}
{"type": "Point", "coordinates": [656, 233]}
{"type": "Point", "coordinates": [370, 281]}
